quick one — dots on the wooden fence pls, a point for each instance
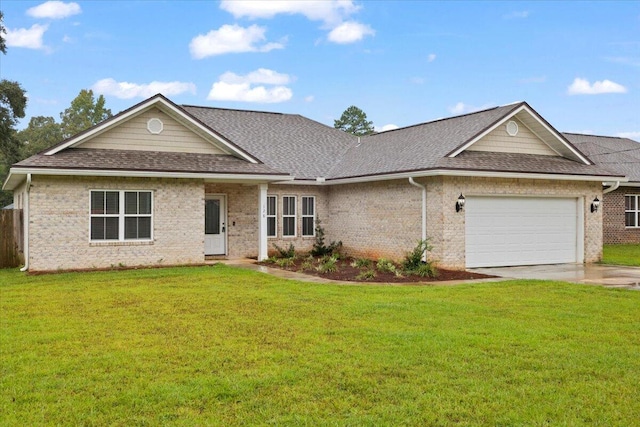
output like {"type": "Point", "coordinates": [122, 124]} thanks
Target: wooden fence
{"type": "Point", "coordinates": [11, 238]}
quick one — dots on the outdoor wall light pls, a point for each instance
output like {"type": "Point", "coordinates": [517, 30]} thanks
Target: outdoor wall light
{"type": "Point", "coordinates": [595, 205]}
{"type": "Point", "coordinates": [460, 203]}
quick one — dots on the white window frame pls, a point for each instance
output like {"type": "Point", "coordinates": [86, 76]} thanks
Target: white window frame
{"type": "Point", "coordinates": [274, 215]}
{"type": "Point", "coordinates": [313, 215]}
{"type": "Point", "coordinates": [121, 216]}
{"type": "Point", "coordinates": [636, 210]}
{"type": "Point", "coordinates": [290, 215]}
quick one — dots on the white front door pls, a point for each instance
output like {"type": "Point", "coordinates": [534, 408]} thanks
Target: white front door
{"type": "Point", "coordinates": [215, 225]}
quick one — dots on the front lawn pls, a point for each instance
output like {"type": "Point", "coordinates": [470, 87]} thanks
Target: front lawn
{"type": "Point", "coordinates": [621, 255]}
{"type": "Point", "coordinates": [224, 346]}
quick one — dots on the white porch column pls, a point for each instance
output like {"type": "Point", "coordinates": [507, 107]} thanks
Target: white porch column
{"type": "Point", "coordinates": [262, 222]}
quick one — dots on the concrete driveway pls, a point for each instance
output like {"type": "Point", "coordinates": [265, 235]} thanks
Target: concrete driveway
{"type": "Point", "coordinates": [593, 274]}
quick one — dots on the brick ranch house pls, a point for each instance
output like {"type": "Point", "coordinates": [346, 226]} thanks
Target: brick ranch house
{"type": "Point", "coordinates": [621, 202]}
{"type": "Point", "coordinates": [162, 184]}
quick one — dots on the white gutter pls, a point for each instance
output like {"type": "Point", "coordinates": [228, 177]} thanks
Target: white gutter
{"type": "Point", "coordinates": [424, 213]}
{"type": "Point", "coordinates": [25, 216]}
{"type": "Point", "coordinates": [614, 187]}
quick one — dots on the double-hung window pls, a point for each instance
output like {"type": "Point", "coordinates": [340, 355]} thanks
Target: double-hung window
{"type": "Point", "coordinates": [289, 216]}
{"type": "Point", "coordinates": [272, 212]}
{"type": "Point", "coordinates": [308, 216]}
{"type": "Point", "coordinates": [121, 215]}
{"type": "Point", "coordinates": [632, 211]}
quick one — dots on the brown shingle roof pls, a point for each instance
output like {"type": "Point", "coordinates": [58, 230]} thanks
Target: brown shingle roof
{"type": "Point", "coordinates": [151, 161]}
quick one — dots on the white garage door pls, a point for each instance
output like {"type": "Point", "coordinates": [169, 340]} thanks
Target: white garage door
{"type": "Point", "coordinates": [505, 231]}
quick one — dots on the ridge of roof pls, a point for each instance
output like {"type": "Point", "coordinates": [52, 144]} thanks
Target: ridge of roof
{"type": "Point", "coordinates": [236, 109]}
{"type": "Point", "coordinates": [444, 119]}
{"type": "Point", "coordinates": [597, 136]}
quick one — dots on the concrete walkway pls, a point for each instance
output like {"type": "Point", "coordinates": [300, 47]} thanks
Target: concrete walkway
{"type": "Point", "coordinates": [593, 274]}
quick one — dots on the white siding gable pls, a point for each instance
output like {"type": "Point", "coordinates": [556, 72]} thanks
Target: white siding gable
{"type": "Point", "coordinates": [134, 135]}
{"type": "Point", "coordinates": [525, 142]}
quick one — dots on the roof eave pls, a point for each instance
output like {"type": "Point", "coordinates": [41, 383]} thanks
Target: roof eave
{"type": "Point", "coordinates": [16, 175]}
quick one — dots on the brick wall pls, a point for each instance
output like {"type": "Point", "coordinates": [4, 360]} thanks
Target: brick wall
{"type": "Point", "coordinates": [382, 219]}
{"type": "Point", "coordinates": [613, 206]}
{"type": "Point", "coordinates": [59, 224]}
{"type": "Point", "coordinates": [375, 219]}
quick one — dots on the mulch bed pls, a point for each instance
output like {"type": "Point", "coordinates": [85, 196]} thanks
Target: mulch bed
{"type": "Point", "coordinates": [348, 273]}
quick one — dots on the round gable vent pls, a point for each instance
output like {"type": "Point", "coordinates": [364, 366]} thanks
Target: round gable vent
{"type": "Point", "coordinates": [155, 125]}
{"type": "Point", "coordinates": [512, 128]}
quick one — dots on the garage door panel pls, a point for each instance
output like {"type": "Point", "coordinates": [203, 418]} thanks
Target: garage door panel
{"type": "Point", "coordinates": [503, 231]}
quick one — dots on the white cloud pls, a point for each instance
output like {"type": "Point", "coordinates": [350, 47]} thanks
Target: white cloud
{"type": "Point", "coordinates": [431, 57]}
{"type": "Point", "coordinates": [349, 32]}
{"type": "Point", "coordinates": [583, 87]}
{"type": "Point", "coordinates": [625, 60]}
{"type": "Point", "coordinates": [417, 80]}
{"type": "Point", "coordinates": [385, 128]}
{"type": "Point", "coordinates": [126, 90]}
{"type": "Point", "coordinates": [28, 38]}
{"type": "Point", "coordinates": [309, 98]}
{"type": "Point", "coordinates": [231, 39]}
{"type": "Point", "coordinates": [54, 10]}
{"type": "Point", "coordinates": [462, 108]}
{"type": "Point", "coordinates": [516, 15]}
{"type": "Point", "coordinates": [233, 87]}
{"type": "Point", "coordinates": [630, 135]}
{"type": "Point", "coordinates": [331, 12]}
{"type": "Point", "coordinates": [261, 75]}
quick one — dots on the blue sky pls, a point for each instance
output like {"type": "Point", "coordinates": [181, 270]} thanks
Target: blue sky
{"type": "Point", "coordinates": [577, 64]}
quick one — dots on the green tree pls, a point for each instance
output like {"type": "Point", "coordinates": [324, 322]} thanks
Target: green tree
{"type": "Point", "coordinates": [42, 133]}
{"type": "Point", "coordinates": [3, 30]}
{"type": "Point", "coordinates": [354, 121]}
{"type": "Point", "coordinates": [84, 112]}
{"type": "Point", "coordinates": [13, 102]}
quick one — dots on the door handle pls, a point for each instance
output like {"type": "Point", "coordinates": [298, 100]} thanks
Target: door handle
{"type": "Point", "coordinates": [223, 227]}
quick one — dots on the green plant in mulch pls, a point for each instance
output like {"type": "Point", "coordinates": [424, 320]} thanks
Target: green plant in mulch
{"type": "Point", "coordinates": [361, 263]}
{"type": "Point", "coordinates": [290, 252]}
{"type": "Point", "coordinates": [328, 264]}
{"type": "Point", "coordinates": [307, 264]}
{"type": "Point", "coordinates": [285, 262]}
{"type": "Point", "coordinates": [365, 275]}
{"type": "Point", "coordinates": [385, 266]}
{"type": "Point", "coordinates": [415, 265]}
{"type": "Point", "coordinates": [319, 247]}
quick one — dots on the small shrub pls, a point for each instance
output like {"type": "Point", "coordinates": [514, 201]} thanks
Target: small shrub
{"type": "Point", "coordinates": [413, 263]}
{"type": "Point", "coordinates": [425, 270]}
{"type": "Point", "coordinates": [328, 264]}
{"type": "Point", "coordinates": [413, 259]}
{"type": "Point", "coordinates": [361, 263]}
{"type": "Point", "coordinates": [319, 248]}
{"type": "Point", "coordinates": [367, 275]}
{"type": "Point", "coordinates": [307, 264]}
{"type": "Point", "coordinates": [285, 262]}
{"type": "Point", "coordinates": [385, 266]}
{"type": "Point", "coordinates": [286, 253]}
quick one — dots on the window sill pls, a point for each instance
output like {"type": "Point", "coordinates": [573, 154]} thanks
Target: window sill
{"type": "Point", "coordinates": [122, 243]}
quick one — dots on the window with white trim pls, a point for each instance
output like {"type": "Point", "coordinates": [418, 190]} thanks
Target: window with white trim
{"type": "Point", "coordinates": [289, 216]}
{"type": "Point", "coordinates": [272, 212]}
{"type": "Point", "coordinates": [308, 216]}
{"type": "Point", "coordinates": [121, 215]}
{"type": "Point", "coordinates": [632, 211]}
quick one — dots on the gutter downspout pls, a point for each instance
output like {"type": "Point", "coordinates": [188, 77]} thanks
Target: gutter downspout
{"type": "Point", "coordinates": [614, 187]}
{"type": "Point", "coordinates": [424, 212]}
{"type": "Point", "coordinates": [26, 224]}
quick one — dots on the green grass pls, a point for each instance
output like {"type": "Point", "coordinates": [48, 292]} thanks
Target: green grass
{"type": "Point", "coordinates": [621, 255]}
{"type": "Point", "coordinates": [223, 346]}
